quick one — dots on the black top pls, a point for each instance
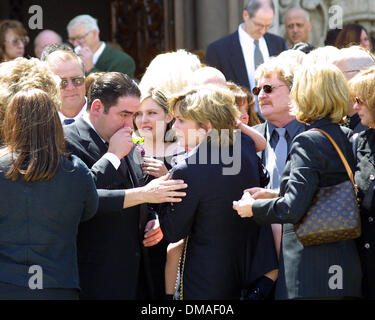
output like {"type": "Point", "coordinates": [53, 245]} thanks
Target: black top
{"type": "Point", "coordinates": [224, 252]}
{"type": "Point", "coordinates": [39, 223]}
{"type": "Point", "coordinates": [312, 163]}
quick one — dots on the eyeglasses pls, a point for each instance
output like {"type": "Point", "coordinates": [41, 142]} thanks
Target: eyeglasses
{"type": "Point", "coordinates": [261, 26]}
{"type": "Point", "coordinates": [78, 39]}
{"type": "Point", "coordinates": [266, 88]}
{"type": "Point", "coordinates": [359, 101]}
{"type": "Point", "coordinates": [76, 82]}
{"type": "Point", "coordinates": [349, 71]}
{"type": "Point", "coordinates": [24, 40]}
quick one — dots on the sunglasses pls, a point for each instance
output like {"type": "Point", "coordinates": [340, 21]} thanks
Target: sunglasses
{"type": "Point", "coordinates": [14, 42]}
{"type": "Point", "coordinates": [359, 101]}
{"type": "Point", "coordinates": [266, 88]}
{"type": "Point", "coordinates": [76, 81]}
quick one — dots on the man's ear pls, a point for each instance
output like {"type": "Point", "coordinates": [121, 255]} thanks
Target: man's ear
{"type": "Point", "coordinates": [95, 34]}
{"type": "Point", "coordinates": [310, 26]}
{"type": "Point", "coordinates": [245, 15]}
{"type": "Point", "coordinates": [97, 107]}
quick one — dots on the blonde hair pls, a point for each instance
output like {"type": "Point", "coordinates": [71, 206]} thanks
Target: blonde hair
{"type": "Point", "coordinates": [320, 90]}
{"type": "Point", "coordinates": [362, 86]}
{"type": "Point", "coordinates": [321, 55]}
{"type": "Point", "coordinates": [23, 74]}
{"type": "Point", "coordinates": [171, 72]}
{"type": "Point", "coordinates": [283, 68]}
{"type": "Point", "coordinates": [205, 104]}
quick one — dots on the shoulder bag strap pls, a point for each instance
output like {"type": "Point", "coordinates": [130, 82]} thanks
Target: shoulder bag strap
{"type": "Point", "coordinates": [343, 159]}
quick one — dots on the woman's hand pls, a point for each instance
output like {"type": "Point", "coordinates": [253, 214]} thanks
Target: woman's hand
{"type": "Point", "coordinates": [261, 193]}
{"type": "Point", "coordinates": [244, 206]}
{"type": "Point", "coordinates": [154, 167]}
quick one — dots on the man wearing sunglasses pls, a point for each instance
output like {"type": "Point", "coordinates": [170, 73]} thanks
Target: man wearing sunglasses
{"type": "Point", "coordinates": [238, 55]}
{"type": "Point", "coordinates": [70, 69]}
{"type": "Point", "coordinates": [96, 55]}
{"type": "Point", "coordinates": [275, 79]}
{"type": "Point", "coordinates": [351, 61]}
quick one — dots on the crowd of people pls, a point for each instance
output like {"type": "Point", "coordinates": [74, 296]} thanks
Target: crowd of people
{"type": "Point", "coordinates": [188, 182]}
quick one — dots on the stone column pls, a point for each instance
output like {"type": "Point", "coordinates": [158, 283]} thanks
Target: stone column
{"type": "Point", "coordinates": [212, 21]}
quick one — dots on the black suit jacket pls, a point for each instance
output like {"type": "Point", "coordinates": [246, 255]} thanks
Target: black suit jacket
{"type": "Point", "coordinates": [364, 178]}
{"type": "Point", "coordinates": [222, 254]}
{"type": "Point", "coordinates": [312, 163]}
{"type": "Point", "coordinates": [112, 260]}
{"type": "Point", "coordinates": [226, 55]}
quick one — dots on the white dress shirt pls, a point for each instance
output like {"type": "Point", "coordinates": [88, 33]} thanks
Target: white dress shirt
{"type": "Point", "coordinates": [63, 117]}
{"type": "Point", "coordinates": [248, 48]}
{"type": "Point", "coordinates": [97, 53]}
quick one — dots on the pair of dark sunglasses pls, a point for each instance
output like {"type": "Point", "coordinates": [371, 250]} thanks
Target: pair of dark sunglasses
{"type": "Point", "coordinates": [266, 88]}
{"type": "Point", "coordinates": [76, 81]}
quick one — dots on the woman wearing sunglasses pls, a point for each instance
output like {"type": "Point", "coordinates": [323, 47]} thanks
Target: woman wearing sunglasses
{"type": "Point", "coordinates": [320, 95]}
{"type": "Point", "coordinates": [13, 40]}
{"type": "Point", "coordinates": [219, 257]}
{"type": "Point", "coordinates": [362, 89]}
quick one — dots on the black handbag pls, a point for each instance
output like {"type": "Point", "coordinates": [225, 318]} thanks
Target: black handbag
{"type": "Point", "coordinates": [334, 212]}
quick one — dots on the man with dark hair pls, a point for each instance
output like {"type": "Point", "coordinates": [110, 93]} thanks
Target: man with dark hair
{"type": "Point", "coordinates": [112, 247]}
{"type": "Point", "coordinates": [239, 54]}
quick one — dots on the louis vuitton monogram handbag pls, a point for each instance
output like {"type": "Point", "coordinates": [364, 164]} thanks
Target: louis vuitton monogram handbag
{"type": "Point", "coordinates": [334, 212]}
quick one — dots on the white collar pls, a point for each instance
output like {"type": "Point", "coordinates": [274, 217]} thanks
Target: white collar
{"type": "Point", "coordinates": [244, 36]}
{"type": "Point", "coordinates": [79, 114]}
{"type": "Point", "coordinates": [97, 53]}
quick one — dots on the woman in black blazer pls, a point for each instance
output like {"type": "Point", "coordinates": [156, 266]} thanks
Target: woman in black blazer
{"type": "Point", "coordinates": [362, 89]}
{"type": "Point", "coordinates": [327, 271]}
{"type": "Point", "coordinates": [45, 196]}
{"type": "Point", "coordinates": [221, 255]}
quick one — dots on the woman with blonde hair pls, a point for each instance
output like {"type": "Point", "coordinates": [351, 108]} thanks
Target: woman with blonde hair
{"type": "Point", "coordinates": [48, 194]}
{"type": "Point", "coordinates": [320, 95]}
{"type": "Point", "coordinates": [219, 257]}
{"type": "Point", "coordinates": [362, 90]}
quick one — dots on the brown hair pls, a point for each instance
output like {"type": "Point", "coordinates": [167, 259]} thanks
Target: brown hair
{"type": "Point", "coordinates": [33, 136]}
{"type": "Point", "coordinates": [242, 93]}
{"type": "Point", "coordinates": [5, 25]}
{"type": "Point", "coordinates": [91, 78]}
{"type": "Point", "coordinates": [350, 35]}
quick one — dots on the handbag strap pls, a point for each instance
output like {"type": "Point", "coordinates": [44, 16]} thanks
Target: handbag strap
{"type": "Point", "coordinates": [342, 157]}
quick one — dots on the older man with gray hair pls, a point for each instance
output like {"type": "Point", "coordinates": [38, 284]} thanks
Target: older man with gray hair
{"type": "Point", "coordinates": [297, 26]}
{"type": "Point", "coordinates": [83, 32]}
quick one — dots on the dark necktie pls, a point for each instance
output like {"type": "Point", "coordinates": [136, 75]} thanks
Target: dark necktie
{"type": "Point", "coordinates": [68, 121]}
{"type": "Point", "coordinates": [258, 57]}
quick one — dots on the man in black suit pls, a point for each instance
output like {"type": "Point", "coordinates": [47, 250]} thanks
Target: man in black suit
{"type": "Point", "coordinates": [275, 79]}
{"type": "Point", "coordinates": [112, 247]}
{"type": "Point", "coordinates": [235, 54]}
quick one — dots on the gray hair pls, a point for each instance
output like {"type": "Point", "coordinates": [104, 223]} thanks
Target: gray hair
{"type": "Point", "coordinates": [84, 19]}
{"type": "Point", "coordinates": [252, 6]}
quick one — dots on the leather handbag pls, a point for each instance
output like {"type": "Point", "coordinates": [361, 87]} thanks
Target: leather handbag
{"type": "Point", "coordinates": [334, 213]}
